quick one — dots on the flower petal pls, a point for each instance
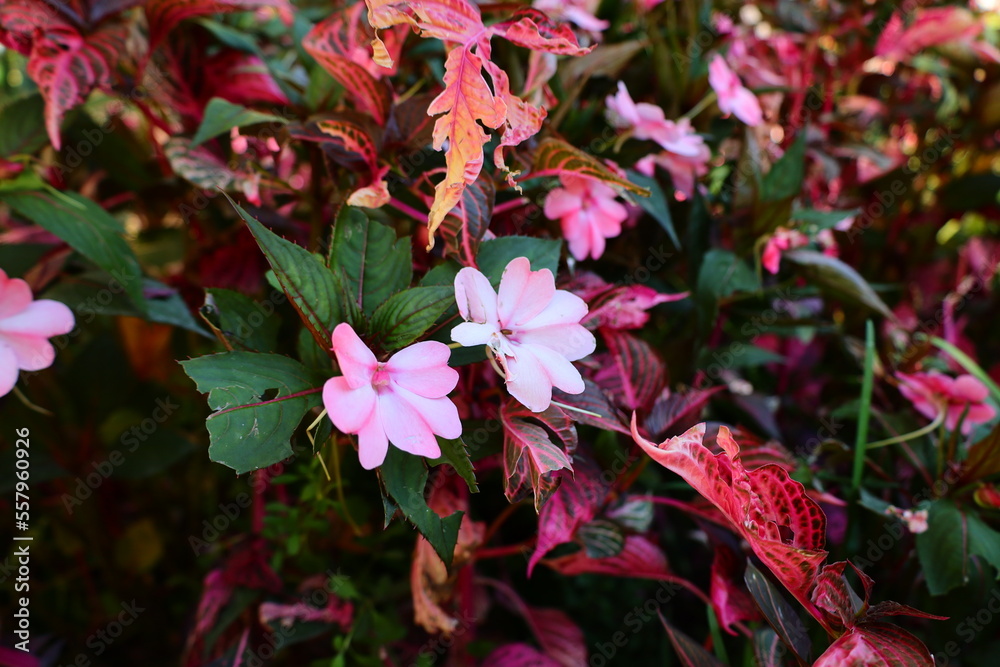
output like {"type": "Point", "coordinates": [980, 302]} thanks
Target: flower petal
{"type": "Point", "coordinates": [560, 202]}
{"type": "Point", "coordinates": [350, 409]}
{"type": "Point", "coordinates": [565, 308]}
{"type": "Point", "coordinates": [405, 426]}
{"type": "Point", "coordinates": [523, 293]}
{"type": "Point", "coordinates": [356, 361]}
{"type": "Point", "coordinates": [440, 414]}
{"type": "Point", "coordinates": [373, 443]}
{"type": "Point", "coordinates": [572, 341]}
{"type": "Point", "coordinates": [469, 334]}
{"type": "Point", "coordinates": [423, 369]}
{"type": "Point", "coordinates": [477, 302]}
{"type": "Point", "coordinates": [43, 318]}
{"type": "Point", "coordinates": [527, 380]}
{"type": "Point", "coordinates": [8, 369]}
{"type": "Point", "coordinates": [33, 352]}
{"type": "Point", "coordinates": [15, 295]}
{"type": "Point", "coordinates": [560, 371]}
{"type": "Point", "coordinates": [968, 388]}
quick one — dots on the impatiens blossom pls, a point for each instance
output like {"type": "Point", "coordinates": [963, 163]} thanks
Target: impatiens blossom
{"type": "Point", "coordinates": [915, 520]}
{"type": "Point", "coordinates": [580, 12]}
{"type": "Point", "coordinates": [588, 212]}
{"type": "Point", "coordinates": [954, 27]}
{"type": "Point", "coordinates": [783, 239]}
{"type": "Point", "coordinates": [532, 329]}
{"type": "Point", "coordinates": [403, 400]}
{"type": "Point", "coordinates": [647, 121]}
{"type": "Point", "coordinates": [25, 327]}
{"type": "Point", "coordinates": [684, 166]}
{"type": "Point", "coordinates": [933, 392]}
{"type": "Point", "coordinates": [734, 98]}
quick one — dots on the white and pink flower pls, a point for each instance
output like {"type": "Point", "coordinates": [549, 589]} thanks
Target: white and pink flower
{"type": "Point", "coordinates": [403, 401]}
{"type": "Point", "coordinates": [532, 329]}
{"type": "Point", "coordinates": [933, 393]}
{"type": "Point", "coordinates": [25, 327]}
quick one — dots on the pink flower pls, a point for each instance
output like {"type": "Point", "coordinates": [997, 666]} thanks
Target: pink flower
{"type": "Point", "coordinates": [734, 98]}
{"type": "Point", "coordinates": [683, 166]}
{"type": "Point", "coordinates": [934, 26]}
{"type": "Point", "coordinates": [933, 392]}
{"type": "Point", "coordinates": [25, 327]}
{"type": "Point", "coordinates": [403, 400]}
{"type": "Point", "coordinates": [588, 212]}
{"type": "Point", "coordinates": [532, 329]}
{"type": "Point", "coordinates": [782, 240]}
{"type": "Point", "coordinates": [915, 520]}
{"type": "Point", "coordinates": [647, 121]}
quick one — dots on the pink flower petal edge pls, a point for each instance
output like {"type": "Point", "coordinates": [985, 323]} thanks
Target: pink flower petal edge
{"type": "Point", "coordinates": [25, 328]}
{"type": "Point", "coordinates": [403, 401]}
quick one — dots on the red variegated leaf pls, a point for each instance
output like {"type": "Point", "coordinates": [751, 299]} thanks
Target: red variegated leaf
{"type": "Point", "coordinates": [163, 15]}
{"type": "Point", "coordinates": [639, 558]}
{"type": "Point", "coordinates": [559, 636]}
{"type": "Point", "coordinates": [466, 224]}
{"type": "Point", "coordinates": [555, 157]}
{"type": "Point", "coordinates": [523, 120]}
{"type": "Point", "coordinates": [455, 21]}
{"type": "Point", "coordinates": [691, 653]}
{"type": "Point", "coordinates": [533, 453]}
{"type": "Point", "coordinates": [756, 452]}
{"type": "Point", "coordinates": [782, 524]}
{"type": "Point", "coordinates": [592, 401]}
{"type": "Point", "coordinates": [351, 139]}
{"type": "Point", "coordinates": [349, 143]}
{"type": "Point", "coordinates": [876, 644]}
{"type": "Point", "coordinates": [241, 78]}
{"type": "Point", "coordinates": [675, 412]}
{"type": "Point", "coordinates": [625, 307]}
{"type": "Point", "coordinates": [22, 22]}
{"type": "Point", "coordinates": [203, 168]}
{"type": "Point", "coordinates": [348, 34]}
{"type": "Point", "coordinates": [368, 93]}
{"type": "Point", "coordinates": [67, 65]}
{"type": "Point", "coordinates": [518, 655]}
{"type": "Point", "coordinates": [641, 370]}
{"type": "Point", "coordinates": [730, 599]}
{"type": "Point", "coordinates": [573, 504]}
{"type": "Point", "coordinates": [534, 30]}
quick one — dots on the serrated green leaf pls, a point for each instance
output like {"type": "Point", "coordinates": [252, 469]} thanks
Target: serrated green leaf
{"type": "Point", "coordinates": [494, 255]}
{"type": "Point", "coordinates": [405, 477]}
{"type": "Point", "coordinates": [221, 116]}
{"type": "Point", "coordinates": [408, 314]}
{"type": "Point", "coordinates": [247, 430]}
{"type": "Point", "coordinates": [310, 286]}
{"type": "Point", "coordinates": [88, 229]}
{"type": "Point", "coordinates": [455, 453]}
{"type": "Point", "coordinates": [375, 265]}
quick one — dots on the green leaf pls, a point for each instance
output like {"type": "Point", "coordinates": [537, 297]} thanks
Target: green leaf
{"type": "Point", "coordinates": [494, 255]}
{"type": "Point", "coordinates": [952, 536]}
{"type": "Point", "coordinates": [836, 276]}
{"type": "Point", "coordinates": [407, 315]}
{"type": "Point", "coordinates": [222, 116]}
{"type": "Point", "coordinates": [784, 181]}
{"type": "Point", "coordinates": [814, 221]}
{"type": "Point", "coordinates": [721, 274]}
{"type": "Point", "coordinates": [308, 283]}
{"type": "Point", "coordinates": [88, 229]}
{"type": "Point", "coordinates": [247, 430]}
{"type": "Point", "coordinates": [374, 263]}
{"type": "Point", "coordinates": [22, 126]}
{"type": "Point", "coordinates": [245, 323]}
{"type": "Point", "coordinates": [405, 477]}
{"type": "Point", "coordinates": [689, 651]}
{"type": "Point", "coordinates": [455, 453]}
{"type": "Point", "coordinates": [656, 204]}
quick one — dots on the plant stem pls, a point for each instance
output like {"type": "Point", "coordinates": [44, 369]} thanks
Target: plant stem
{"type": "Point", "coordinates": [864, 413]}
{"type": "Point", "coordinates": [912, 434]}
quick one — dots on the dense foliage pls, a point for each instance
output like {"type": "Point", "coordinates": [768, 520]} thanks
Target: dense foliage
{"type": "Point", "coordinates": [555, 333]}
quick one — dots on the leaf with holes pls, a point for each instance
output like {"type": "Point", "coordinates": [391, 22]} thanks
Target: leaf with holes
{"type": "Point", "coordinates": [536, 446]}
{"type": "Point", "coordinates": [573, 504]}
{"type": "Point", "coordinates": [642, 372]}
{"type": "Point", "coordinates": [375, 265]}
{"type": "Point", "coordinates": [405, 316]}
{"type": "Point", "coordinates": [309, 285]}
{"type": "Point", "coordinates": [556, 157]}
{"type": "Point", "coordinates": [250, 429]}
